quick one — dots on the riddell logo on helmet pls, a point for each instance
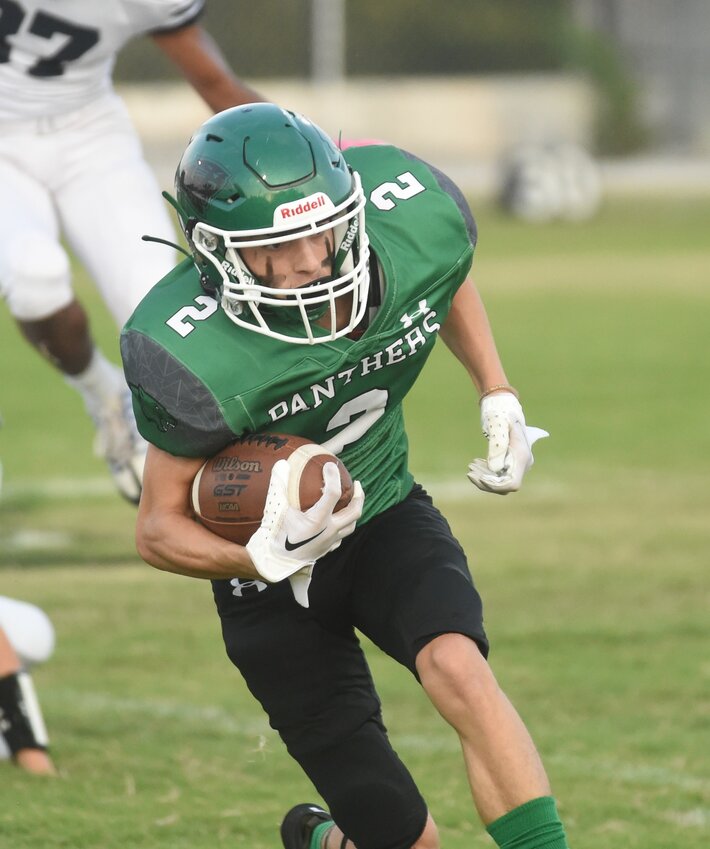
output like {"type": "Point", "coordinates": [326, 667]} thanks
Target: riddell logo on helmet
{"type": "Point", "coordinates": [299, 208]}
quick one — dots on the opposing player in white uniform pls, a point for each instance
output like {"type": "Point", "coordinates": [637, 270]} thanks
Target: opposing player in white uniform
{"type": "Point", "coordinates": [71, 165]}
{"type": "Point", "coordinates": [26, 638]}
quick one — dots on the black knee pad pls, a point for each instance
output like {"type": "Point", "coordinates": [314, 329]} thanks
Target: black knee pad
{"type": "Point", "coordinates": [21, 722]}
{"type": "Point", "coordinates": [368, 790]}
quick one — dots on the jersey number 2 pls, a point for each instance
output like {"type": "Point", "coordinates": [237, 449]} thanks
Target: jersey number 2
{"type": "Point", "coordinates": [80, 39]}
{"type": "Point", "coordinates": [179, 322]}
{"type": "Point", "coordinates": [407, 187]}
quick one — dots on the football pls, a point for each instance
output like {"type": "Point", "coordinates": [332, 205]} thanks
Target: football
{"type": "Point", "coordinates": [229, 491]}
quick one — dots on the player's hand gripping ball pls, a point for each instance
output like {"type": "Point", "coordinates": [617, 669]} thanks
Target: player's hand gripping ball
{"type": "Point", "coordinates": [229, 491]}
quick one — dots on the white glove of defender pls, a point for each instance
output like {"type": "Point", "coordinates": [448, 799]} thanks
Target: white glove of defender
{"type": "Point", "coordinates": [289, 540]}
{"type": "Point", "coordinates": [510, 444]}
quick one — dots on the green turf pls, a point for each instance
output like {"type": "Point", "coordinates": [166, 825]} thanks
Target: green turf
{"type": "Point", "coordinates": [594, 576]}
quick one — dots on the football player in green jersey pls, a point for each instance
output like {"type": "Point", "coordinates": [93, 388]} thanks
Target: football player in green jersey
{"type": "Point", "coordinates": [318, 284]}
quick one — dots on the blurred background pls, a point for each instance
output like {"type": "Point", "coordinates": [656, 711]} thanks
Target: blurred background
{"type": "Point", "coordinates": [484, 90]}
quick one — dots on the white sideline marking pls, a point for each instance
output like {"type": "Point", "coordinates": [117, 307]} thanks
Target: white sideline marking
{"type": "Point", "coordinates": [457, 488]}
{"type": "Point", "coordinates": [97, 703]}
{"type": "Point", "coordinates": [453, 488]}
{"type": "Point", "coordinates": [257, 725]}
{"type": "Point", "coordinates": [61, 488]}
{"type": "Point", "coordinates": [694, 818]}
{"type": "Point", "coordinates": [635, 773]}
{"type": "Point", "coordinates": [29, 539]}
{"type": "Point", "coordinates": [609, 769]}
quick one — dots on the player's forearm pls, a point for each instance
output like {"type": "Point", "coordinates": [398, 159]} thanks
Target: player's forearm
{"type": "Point", "coordinates": [224, 93]}
{"type": "Point", "coordinates": [203, 65]}
{"type": "Point", "coordinates": [168, 537]}
{"type": "Point", "coordinates": [218, 87]}
{"type": "Point", "coordinates": [177, 544]}
{"type": "Point", "coordinates": [467, 333]}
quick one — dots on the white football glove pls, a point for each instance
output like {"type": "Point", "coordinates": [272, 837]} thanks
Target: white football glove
{"type": "Point", "coordinates": [510, 444]}
{"type": "Point", "coordinates": [289, 540]}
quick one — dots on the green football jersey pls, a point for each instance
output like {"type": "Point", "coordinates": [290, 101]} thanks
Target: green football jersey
{"type": "Point", "coordinates": [198, 380]}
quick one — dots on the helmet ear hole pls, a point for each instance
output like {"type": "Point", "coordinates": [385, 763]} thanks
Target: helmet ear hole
{"type": "Point", "coordinates": [208, 241]}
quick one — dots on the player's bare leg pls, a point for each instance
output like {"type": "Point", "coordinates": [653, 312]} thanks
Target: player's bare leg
{"type": "Point", "coordinates": [28, 756]}
{"type": "Point", "coordinates": [64, 339]}
{"type": "Point", "coordinates": [503, 766]}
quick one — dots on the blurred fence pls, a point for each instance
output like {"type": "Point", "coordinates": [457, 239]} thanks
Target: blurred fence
{"type": "Point", "coordinates": [464, 125]}
{"type": "Point", "coordinates": [442, 118]}
{"type": "Point", "coordinates": [665, 43]}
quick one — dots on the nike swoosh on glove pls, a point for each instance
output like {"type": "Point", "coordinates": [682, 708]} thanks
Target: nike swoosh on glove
{"type": "Point", "coordinates": [510, 443]}
{"type": "Point", "coordinates": [289, 539]}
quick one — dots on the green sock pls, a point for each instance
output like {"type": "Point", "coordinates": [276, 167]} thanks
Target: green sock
{"type": "Point", "coordinates": [318, 833]}
{"type": "Point", "coordinates": [533, 825]}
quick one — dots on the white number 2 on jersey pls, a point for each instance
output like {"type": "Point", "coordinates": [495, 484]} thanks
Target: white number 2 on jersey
{"type": "Point", "coordinates": [179, 322]}
{"type": "Point", "coordinates": [409, 187]}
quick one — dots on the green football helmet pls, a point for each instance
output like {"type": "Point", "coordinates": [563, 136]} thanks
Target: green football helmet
{"type": "Point", "coordinates": [260, 175]}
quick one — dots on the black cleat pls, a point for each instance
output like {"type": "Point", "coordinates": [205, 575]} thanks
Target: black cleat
{"type": "Point", "coordinates": [298, 824]}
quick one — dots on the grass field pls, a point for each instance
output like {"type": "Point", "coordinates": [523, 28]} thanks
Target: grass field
{"type": "Point", "coordinates": [595, 576]}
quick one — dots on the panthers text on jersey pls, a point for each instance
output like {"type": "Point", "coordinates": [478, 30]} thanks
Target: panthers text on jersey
{"type": "Point", "coordinates": [57, 55]}
{"type": "Point", "coordinates": [198, 380]}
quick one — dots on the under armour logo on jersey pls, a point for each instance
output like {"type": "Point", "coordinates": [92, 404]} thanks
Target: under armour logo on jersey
{"type": "Point", "coordinates": [244, 588]}
{"type": "Point", "coordinates": [408, 320]}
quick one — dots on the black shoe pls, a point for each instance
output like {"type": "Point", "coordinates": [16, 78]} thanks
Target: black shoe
{"type": "Point", "coordinates": [298, 824]}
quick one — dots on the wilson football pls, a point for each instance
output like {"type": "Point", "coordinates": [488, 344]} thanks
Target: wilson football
{"type": "Point", "coordinates": [229, 491]}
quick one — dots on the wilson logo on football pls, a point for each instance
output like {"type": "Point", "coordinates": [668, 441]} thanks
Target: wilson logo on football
{"type": "Point", "coordinates": [234, 464]}
{"type": "Point", "coordinates": [296, 209]}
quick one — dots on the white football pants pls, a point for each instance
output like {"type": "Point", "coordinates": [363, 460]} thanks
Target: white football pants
{"type": "Point", "coordinates": [81, 176]}
{"type": "Point", "coordinates": [28, 629]}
